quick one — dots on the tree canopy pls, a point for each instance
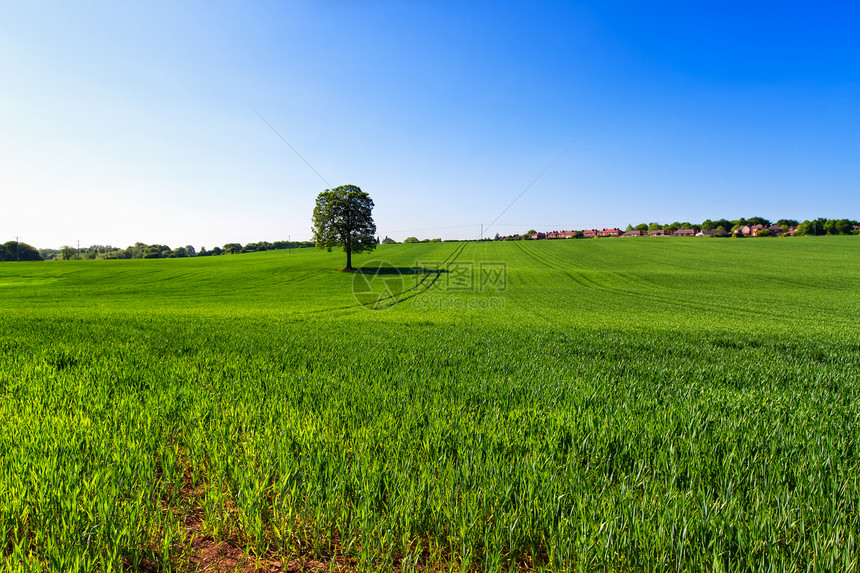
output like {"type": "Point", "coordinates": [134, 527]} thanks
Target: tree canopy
{"type": "Point", "coordinates": [342, 217]}
{"type": "Point", "coordinates": [12, 251]}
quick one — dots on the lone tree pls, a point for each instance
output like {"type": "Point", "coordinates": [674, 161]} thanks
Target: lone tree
{"type": "Point", "coordinates": [342, 218]}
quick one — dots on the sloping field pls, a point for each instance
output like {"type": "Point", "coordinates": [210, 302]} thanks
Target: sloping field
{"type": "Point", "coordinates": [621, 404]}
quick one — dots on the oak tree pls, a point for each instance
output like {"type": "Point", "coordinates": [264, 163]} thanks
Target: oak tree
{"type": "Point", "coordinates": [342, 218]}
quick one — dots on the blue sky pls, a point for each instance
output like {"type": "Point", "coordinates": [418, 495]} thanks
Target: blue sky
{"type": "Point", "coordinates": [138, 122]}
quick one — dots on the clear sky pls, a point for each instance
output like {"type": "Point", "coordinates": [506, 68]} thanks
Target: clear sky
{"type": "Point", "coordinates": [128, 122]}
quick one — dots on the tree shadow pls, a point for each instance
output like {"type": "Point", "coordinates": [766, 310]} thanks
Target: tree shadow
{"type": "Point", "coordinates": [390, 270]}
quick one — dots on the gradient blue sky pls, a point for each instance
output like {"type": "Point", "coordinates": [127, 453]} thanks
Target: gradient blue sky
{"type": "Point", "coordinates": [124, 123]}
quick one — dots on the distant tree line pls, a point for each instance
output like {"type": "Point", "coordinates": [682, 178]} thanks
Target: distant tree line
{"type": "Point", "coordinates": [814, 227]}
{"type": "Point", "coordinates": [145, 251]}
{"type": "Point", "coordinates": [408, 240]}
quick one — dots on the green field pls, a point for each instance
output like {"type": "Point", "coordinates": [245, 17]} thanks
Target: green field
{"type": "Point", "coordinates": [617, 404]}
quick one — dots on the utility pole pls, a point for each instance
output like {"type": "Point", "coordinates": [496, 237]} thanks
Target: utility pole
{"type": "Point", "coordinates": [482, 231]}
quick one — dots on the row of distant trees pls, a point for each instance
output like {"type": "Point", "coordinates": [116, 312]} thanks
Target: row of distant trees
{"type": "Point", "coordinates": [145, 251]}
{"type": "Point", "coordinates": [815, 227]}
{"type": "Point", "coordinates": [389, 241]}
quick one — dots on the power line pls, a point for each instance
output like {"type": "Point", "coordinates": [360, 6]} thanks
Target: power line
{"type": "Point", "coordinates": [293, 148]}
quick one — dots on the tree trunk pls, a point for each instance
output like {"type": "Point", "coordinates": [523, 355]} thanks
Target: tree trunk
{"type": "Point", "coordinates": [348, 259]}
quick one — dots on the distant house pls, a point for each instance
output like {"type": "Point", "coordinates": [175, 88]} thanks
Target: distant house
{"type": "Point", "coordinates": [749, 230]}
{"type": "Point", "coordinates": [657, 233]}
{"type": "Point", "coordinates": [684, 233]}
{"type": "Point", "coordinates": [633, 233]}
{"type": "Point", "coordinates": [559, 235]}
{"type": "Point", "coordinates": [776, 229]}
{"type": "Point", "coordinates": [609, 232]}
{"type": "Point", "coordinates": [711, 233]}
{"type": "Point", "coordinates": [537, 236]}
{"type": "Point", "coordinates": [589, 233]}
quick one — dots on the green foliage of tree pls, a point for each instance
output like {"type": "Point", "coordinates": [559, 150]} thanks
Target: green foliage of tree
{"type": "Point", "coordinates": [156, 252]}
{"type": "Point", "coordinates": [67, 253]}
{"type": "Point", "coordinates": [343, 218]}
{"type": "Point", "coordinates": [136, 251]}
{"type": "Point", "coordinates": [232, 248]}
{"type": "Point", "coordinates": [14, 251]}
{"type": "Point", "coordinates": [725, 224]}
{"type": "Point", "coordinates": [788, 223]}
{"type": "Point", "coordinates": [388, 241]}
{"type": "Point", "coordinates": [758, 221]}
{"type": "Point", "coordinates": [49, 254]}
{"type": "Point", "coordinates": [839, 226]}
{"type": "Point", "coordinates": [411, 240]}
{"type": "Point", "coordinates": [641, 227]}
{"type": "Point", "coordinates": [814, 227]}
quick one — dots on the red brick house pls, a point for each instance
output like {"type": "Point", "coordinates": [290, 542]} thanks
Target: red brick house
{"type": "Point", "coordinates": [776, 229]}
{"type": "Point", "coordinates": [684, 233]}
{"type": "Point", "coordinates": [559, 235]}
{"type": "Point", "coordinates": [610, 232]}
{"type": "Point", "coordinates": [633, 233]}
{"type": "Point", "coordinates": [589, 233]}
{"type": "Point", "coordinates": [657, 233]}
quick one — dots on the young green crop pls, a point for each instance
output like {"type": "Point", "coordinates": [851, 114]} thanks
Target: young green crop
{"type": "Point", "coordinates": [615, 404]}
